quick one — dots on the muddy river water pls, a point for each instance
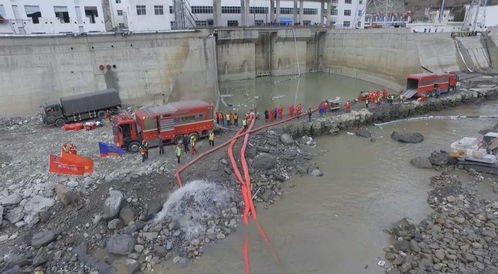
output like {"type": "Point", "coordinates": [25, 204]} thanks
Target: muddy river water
{"type": "Point", "coordinates": [334, 223]}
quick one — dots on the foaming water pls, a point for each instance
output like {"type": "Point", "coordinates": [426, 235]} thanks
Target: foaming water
{"type": "Point", "coordinates": [193, 204]}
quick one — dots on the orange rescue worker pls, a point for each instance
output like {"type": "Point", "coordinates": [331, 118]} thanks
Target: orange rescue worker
{"type": "Point", "coordinates": [222, 119]}
{"type": "Point", "coordinates": [347, 105]}
{"type": "Point", "coordinates": [108, 115]}
{"type": "Point", "coordinates": [291, 110]}
{"type": "Point", "coordinates": [72, 149]}
{"type": "Point", "coordinates": [272, 114]}
{"type": "Point", "coordinates": [280, 110]}
{"type": "Point", "coordinates": [298, 109]}
{"type": "Point", "coordinates": [378, 94]}
{"type": "Point", "coordinates": [141, 149]}
{"type": "Point", "coordinates": [325, 105]}
{"type": "Point", "coordinates": [193, 143]}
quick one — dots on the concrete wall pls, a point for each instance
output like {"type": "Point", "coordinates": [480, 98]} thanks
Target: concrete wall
{"type": "Point", "coordinates": [386, 56]}
{"type": "Point", "coordinates": [148, 68]}
{"type": "Point", "coordinates": [492, 44]}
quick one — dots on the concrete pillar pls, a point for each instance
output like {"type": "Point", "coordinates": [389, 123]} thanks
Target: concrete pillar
{"type": "Point", "coordinates": [243, 18]}
{"type": "Point", "coordinates": [272, 15]}
{"type": "Point", "coordinates": [248, 8]}
{"type": "Point", "coordinates": [322, 10]}
{"type": "Point", "coordinates": [301, 12]}
{"type": "Point", "coordinates": [278, 12]}
{"type": "Point", "coordinates": [329, 10]}
{"type": "Point", "coordinates": [217, 13]}
{"type": "Point", "coordinates": [294, 19]}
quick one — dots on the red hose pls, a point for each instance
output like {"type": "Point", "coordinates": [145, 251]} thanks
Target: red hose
{"type": "Point", "coordinates": [247, 178]}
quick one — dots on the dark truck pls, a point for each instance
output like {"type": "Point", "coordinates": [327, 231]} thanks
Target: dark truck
{"type": "Point", "coordinates": [81, 107]}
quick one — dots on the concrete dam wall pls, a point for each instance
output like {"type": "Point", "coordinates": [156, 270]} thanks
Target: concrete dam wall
{"type": "Point", "coordinates": [163, 67]}
{"type": "Point", "coordinates": [145, 68]}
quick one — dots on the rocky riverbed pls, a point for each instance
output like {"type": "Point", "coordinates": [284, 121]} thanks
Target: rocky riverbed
{"type": "Point", "coordinates": [128, 215]}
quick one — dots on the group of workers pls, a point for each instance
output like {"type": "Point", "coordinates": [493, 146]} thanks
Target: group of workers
{"type": "Point", "coordinates": [231, 119]}
{"type": "Point", "coordinates": [378, 96]}
{"type": "Point", "coordinates": [71, 148]}
{"type": "Point", "coordinates": [190, 144]}
{"type": "Point", "coordinates": [277, 112]}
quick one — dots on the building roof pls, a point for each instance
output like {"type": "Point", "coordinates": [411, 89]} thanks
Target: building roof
{"type": "Point", "coordinates": [173, 107]}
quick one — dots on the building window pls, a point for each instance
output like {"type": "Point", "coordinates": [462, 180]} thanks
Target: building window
{"type": "Point", "coordinates": [200, 23]}
{"type": "Point", "coordinates": [258, 10]}
{"type": "Point", "coordinates": [310, 11]}
{"type": "Point", "coordinates": [367, 19]}
{"type": "Point", "coordinates": [346, 24]}
{"type": "Point", "coordinates": [62, 14]}
{"type": "Point", "coordinates": [361, 2]}
{"type": "Point", "coordinates": [334, 12]}
{"type": "Point", "coordinates": [360, 13]}
{"type": "Point", "coordinates": [307, 22]}
{"type": "Point", "coordinates": [91, 14]}
{"type": "Point", "coordinates": [233, 23]}
{"type": "Point", "coordinates": [358, 25]}
{"type": "Point", "coordinates": [120, 12]}
{"type": "Point", "coordinates": [286, 11]}
{"type": "Point", "coordinates": [141, 10]}
{"type": "Point", "coordinates": [347, 1]}
{"type": "Point", "coordinates": [158, 10]}
{"type": "Point", "coordinates": [118, 1]}
{"type": "Point", "coordinates": [347, 12]}
{"type": "Point", "coordinates": [34, 13]}
{"type": "Point", "coordinates": [233, 10]}
{"type": "Point", "coordinates": [259, 22]}
{"type": "Point", "coordinates": [170, 9]}
{"type": "Point", "coordinates": [202, 9]}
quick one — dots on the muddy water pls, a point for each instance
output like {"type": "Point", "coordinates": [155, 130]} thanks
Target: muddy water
{"type": "Point", "coordinates": [334, 223]}
{"type": "Point", "coordinates": [308, 90]}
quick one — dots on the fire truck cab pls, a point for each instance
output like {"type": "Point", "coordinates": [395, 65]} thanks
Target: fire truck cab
{"type": "Point", "coordinates": [168, 123]}
{"type": "Point", "coordinates": [425, 84]}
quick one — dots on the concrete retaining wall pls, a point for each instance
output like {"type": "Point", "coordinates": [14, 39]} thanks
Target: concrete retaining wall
{"type": "Point", "coordinates": [492, 44]}
{"type": "Point", "coordinates": [145, 68]}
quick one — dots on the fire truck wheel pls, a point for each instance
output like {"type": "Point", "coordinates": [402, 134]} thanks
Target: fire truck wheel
{"type": "Point", "coordinates": [133, 147]}
{"type": "Point", "coordinates": [101, 114]}
{"type": "Point", "coordinates": [60, 122]}
{"type": "Point", "coordinates": [193, 134]}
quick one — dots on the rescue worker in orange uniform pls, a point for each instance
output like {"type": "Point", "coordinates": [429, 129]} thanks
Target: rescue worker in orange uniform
{"type": "Point", "coordinates": [291, 110]}
{"type": "Point", "coordinates": [385, 93]}
{"type": "Point", "coordinates": [298, 109]}
{"type": "Point", "coordinates": [347, 105]}
{"type": "Point", "coordinates": [325, 106]}
{"type": "Point", "coordinates": [72, 149]}
{"type": "Point", "coordinates": [222, 118]}
{"type": "Point", "coordinates": [142, 152]}
{"type": "Point", "coordinates": [280, 111]}
{"type": "Point", "coordinates": [193, 144]}
{"type": "Point", "coordinates": [272, 115]}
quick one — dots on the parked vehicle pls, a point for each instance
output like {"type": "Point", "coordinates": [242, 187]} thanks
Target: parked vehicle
{"type": "Point", "coordinates": [81, 107]}
{"type": "Point", "coordinates": [168, 123]}
{"type": "Point", "coordinates": [426, 84]}
{"type": "Point", "coordinates": [334, 104]}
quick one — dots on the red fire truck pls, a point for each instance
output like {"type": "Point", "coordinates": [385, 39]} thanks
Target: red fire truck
{"type": "Point", "coordinates": [425, 84]}
{"type": "Point", "coordinates": [170, 122]}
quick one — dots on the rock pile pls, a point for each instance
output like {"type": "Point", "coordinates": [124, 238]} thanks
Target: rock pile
{"type": "Point", "coordinates": [460, 236]}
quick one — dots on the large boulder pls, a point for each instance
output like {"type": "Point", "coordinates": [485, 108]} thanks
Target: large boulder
{"type": "Point", "coordinates": [421, 162]}
{"type": "Point", "coordinates": [127, 215]}
{"type": "Point", "coordinates": [264, 161]}
{"type": "Point", "coordinates": [363, 132]}
{"type": "Point", "coordinates": [42, 238]}
{"type": "Point", "coordinates": [412, 138]}
{"type": "Point", "coordinates": [15, 215]}
{"type": "Point", "coordinates": [439, 158]}
{"type": "Point", "coordinates": [12, 199]}
{"type": "Point", "coordinates": [112, 204]}
{"type": "Point", "coordinates": [286, 139]}
{"type": "Point", "coordinates": [314, 171]}
{"type": "Point", "coordinates": [121, 244]}
{"type": "Point", "coordinates": [65, 196]}
{"type": "Point", "coordinates": [35, 206]}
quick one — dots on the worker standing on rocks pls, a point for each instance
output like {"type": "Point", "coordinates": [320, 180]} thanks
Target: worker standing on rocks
{"type": "Point", "coordinates": [309, 114]}
{"type": "Point", "coordinates": [146, 148]}
{"type": "Point", "coordinates": [222, 118]}
{"type": "Point", "coordinates": [267, 115]}
{"type": "Point", "coordinates": [178, 152]}
{"type": "Point", "coordinates": [366, 103]}
{"type": "Point", "coordinates": [298, 110]}
{"type": "Point", "coordinates": [271, 115]}
{"type": "Point", "coordinates": [161, 146]}
{"type": "Point", "coordinates": [275, 113]}
{"type": "Point", "coordinates": [291, 110]}
{"type": "Point", "coordinates": [236, 119]}
{"type": "Point", "coordinates": [217, 114]}
{"type": "Point", "coordinates": [186, 141]}
{"type": "Point", "coordinates": [193, 143]}
{"type": "Point", "coordinates": [141, 149]}
{"type": "Point", "coordinates": [244, 123]}
{"type": "Point", "coordinates": [280, 110]}
{"type": "Point", "coordinates": [72, 149]}
{"type": "Point", "coordinates": [211, 138]}
{"type": "Point", "coordinates": [347, 105]}
{"type": "Point", "coordinates": [325, 105]}
{"type": "Point", "coordinates": [402, 98]}
{"type": "Point", "coordinates": [65, 148]}
{"type": "Point", "coordinates": [229, 118]}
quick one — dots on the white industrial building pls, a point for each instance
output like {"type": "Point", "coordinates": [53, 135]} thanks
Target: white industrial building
{"type": "Point", "coordinates": [51, 16]}
{"type": "Point", "coordinates": [86, 16]}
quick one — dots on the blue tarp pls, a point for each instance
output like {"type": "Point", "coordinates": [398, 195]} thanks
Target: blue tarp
{"type": "Point", "coordinates": [285, 21]}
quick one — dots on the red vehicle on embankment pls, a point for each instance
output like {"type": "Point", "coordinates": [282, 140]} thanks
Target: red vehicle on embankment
{"type": "Point", "coordinates": [169, 123]}
{"type": "Point", "coordinates": [426, 84]}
